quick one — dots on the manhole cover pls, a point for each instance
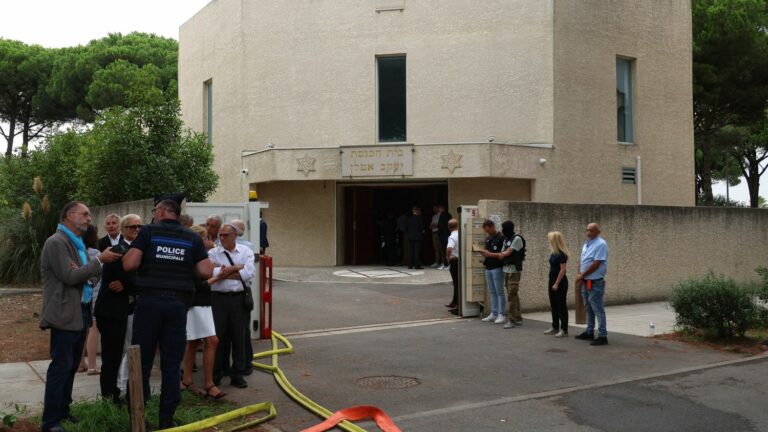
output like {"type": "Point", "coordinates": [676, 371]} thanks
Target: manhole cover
{"type": "Point", "coordinates": [388, 382]}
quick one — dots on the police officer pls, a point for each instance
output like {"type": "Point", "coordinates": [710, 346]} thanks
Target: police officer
{"type": "Point", "coordinates": [167, 258]}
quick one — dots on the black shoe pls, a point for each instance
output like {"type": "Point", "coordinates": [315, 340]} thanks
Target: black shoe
{"type": "Point", "coordinates": [238, 382]}
{"type": "Point", "coordinates": [72, 419]}
{"type": "Point", "coordinates": [419, 268]}
{"type": "Point", "coordinates": [410, 267]}
{"type": "Point", "coordinates": [454, 311]}
{"type": "Point", "coordinates": [248, 371]}
{"type": "Point", "coordinates": [602, 340]}
{"type": "Point", "coordinates": [585, 336]}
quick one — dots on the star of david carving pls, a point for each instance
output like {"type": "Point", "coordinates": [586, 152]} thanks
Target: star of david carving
{"type": "Point", "coordinates": [306, 164]}
{"type": "Point", "coordinates": [451, 161]}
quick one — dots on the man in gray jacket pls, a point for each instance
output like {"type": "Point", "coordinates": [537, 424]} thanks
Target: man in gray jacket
{"type": "Point", "coordinates": [66, 311]}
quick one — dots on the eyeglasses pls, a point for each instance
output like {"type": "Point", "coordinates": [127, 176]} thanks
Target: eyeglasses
{"type": "Point", "coordinates": [224, 235]}
{"type": "Point", "coordinates": [134, 227]}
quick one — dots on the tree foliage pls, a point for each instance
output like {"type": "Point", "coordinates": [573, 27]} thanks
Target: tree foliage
{"type": "Point", "coordinates": [118, 70]}
{"type": "Point", "coordinates": [25, 105]}
{"type": "Point", "coordinates": [141, 152]}
{"type": "Point", "coordinates": [42, 87]}
{"type": "Point", "coordinates": [730, 72]}
{"type": "Point", "coordinates": [128, 154]}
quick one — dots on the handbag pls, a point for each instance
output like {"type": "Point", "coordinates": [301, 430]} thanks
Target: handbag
{"type": "Point", "coordinates": [248, 302]}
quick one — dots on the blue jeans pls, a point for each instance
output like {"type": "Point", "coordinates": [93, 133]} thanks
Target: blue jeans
{"type": "Point", "coordinates": [66, 352]}
{"type": "Point", "coordinates": [593, 302]}
{"type": "Point", "coordinates": [162, 321]}
{"type": "Point", "coordinates": [494, 280]}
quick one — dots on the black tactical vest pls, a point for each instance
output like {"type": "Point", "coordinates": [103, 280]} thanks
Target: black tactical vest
{"type": "Point", "coordinates": [167, 263]}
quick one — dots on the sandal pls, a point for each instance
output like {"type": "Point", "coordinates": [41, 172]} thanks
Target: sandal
{"type": "Point", "coordinates": [82, 369]}
{"type": "Point", "coordinates": [95, 371]}
{"type": "Point", "coordinates": [216, 396]}
{"type": "Point", "coordinates": [192, 388]}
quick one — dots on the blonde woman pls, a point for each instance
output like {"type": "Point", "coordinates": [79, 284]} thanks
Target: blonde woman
{"type": "Point", "coordinates": [558, 284]}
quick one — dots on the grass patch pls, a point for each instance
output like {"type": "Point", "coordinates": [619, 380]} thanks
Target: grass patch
{"type": "Point", "coordinates": [99, 415]}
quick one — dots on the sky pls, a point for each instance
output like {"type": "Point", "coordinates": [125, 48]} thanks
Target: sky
{"type": "Point", "coordinates": [60, 23]}
{"type": "Point", "coordinates": [740, 192]}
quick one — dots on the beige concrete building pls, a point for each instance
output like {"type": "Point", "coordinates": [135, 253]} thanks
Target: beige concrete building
{"type": "Point", "coordinates": [336, 112]}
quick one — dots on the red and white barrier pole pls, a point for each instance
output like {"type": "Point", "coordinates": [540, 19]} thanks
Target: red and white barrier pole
{"type": "Point", "coordinates": [265, 303]}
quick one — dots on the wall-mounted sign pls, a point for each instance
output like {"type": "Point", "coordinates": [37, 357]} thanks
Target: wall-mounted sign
{"type": "Point", "coordinates": [378, 161]}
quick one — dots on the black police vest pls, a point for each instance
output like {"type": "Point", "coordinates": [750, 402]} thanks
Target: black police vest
{"type": "Point", "coordinates": [167, 263]}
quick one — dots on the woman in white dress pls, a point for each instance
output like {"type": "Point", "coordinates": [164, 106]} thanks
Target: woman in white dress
{"type": "Point", "coordinates": [200, 328]}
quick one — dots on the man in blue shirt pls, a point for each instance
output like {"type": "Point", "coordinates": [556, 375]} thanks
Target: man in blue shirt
{"type": "Point", "coordinates": [591, 278]}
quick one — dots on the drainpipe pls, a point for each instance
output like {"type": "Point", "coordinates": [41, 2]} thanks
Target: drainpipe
{"type": "Point", "coordinates": [639, 180]}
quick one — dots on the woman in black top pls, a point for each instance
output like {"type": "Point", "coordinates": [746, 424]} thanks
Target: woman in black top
{"type": "Point", "coordinates": [558, 284]}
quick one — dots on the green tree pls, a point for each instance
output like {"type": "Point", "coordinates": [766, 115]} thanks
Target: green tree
{"type": "Point", "coordinates": [25, 105]}
{"type": "Point", "coordinates": [143, 151]}
{"type": "Point", "coordinates": [751, 153]}
{"type": "Point", "coordinates": [118, 70]}
{"type": "Point", "coordinates": [730, 60]}
{"type": "Point", "coordinates": [55, 162]}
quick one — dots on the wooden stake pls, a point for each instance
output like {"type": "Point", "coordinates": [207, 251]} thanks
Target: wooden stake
{"type": "Point", "coordinates": [136, 389]}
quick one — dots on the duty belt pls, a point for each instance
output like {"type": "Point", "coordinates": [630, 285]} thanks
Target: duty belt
{"type": "Point", "coordinates": [171, 294]}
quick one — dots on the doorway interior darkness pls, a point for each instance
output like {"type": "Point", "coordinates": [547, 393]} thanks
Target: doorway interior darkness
{"type": "Point", "coordinates": [371, 210]}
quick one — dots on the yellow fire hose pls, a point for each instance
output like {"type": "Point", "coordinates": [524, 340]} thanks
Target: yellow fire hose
{"type": "Point", "coordinates": [268, 407]}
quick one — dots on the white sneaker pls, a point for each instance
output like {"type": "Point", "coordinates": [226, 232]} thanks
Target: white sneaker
{"type": "Point", "coordinates": [551, 331]}
{"type": "Point", "coordinates": [435, 265]}
{"type": "Point", "coordinates": [500, 320]}
{"type": "Point", "coordinates": [509, 325]}
{"type": "Point", "coordinates": [489, 318]}
{"type": "Point", "coordinates": [561, 334]}
{"type": "Point", "coordinates": [441, 268]}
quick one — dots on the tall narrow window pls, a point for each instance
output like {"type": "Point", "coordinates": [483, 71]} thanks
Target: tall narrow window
{"type": "Point", "coordinates": [391, 96]}
{"type": "Point", "coordinates": [208, 109]}
{"type": "Point", "coordinates": [624, 100]}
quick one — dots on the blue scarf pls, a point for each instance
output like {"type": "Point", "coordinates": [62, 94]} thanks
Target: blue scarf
{"type": "Point", "coordinates": [77, 242]}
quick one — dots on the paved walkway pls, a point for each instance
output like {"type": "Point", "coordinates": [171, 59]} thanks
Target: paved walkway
{"type": "Point", "coordinates": [395, 275]}
{"type": "Point", "coordinates": [633, 319]}
{"type": "Point", "coordinates": [24, 383]}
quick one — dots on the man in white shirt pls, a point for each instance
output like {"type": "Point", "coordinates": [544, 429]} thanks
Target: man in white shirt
{"type": "Point", "coordinates": [452, 252]}
{"type": "Point", "coordinates": [113, 237]}
{"type": "Point", "coordinates": [233, 273]}
{"type": "Point", "coordinates": [248, 347]}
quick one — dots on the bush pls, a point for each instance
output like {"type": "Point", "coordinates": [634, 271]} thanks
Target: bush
{"type": "Point", "coordinates": [763, 272]}
{"type": "Point", "coordinates": [716, 305]}
{"type": "Point", "coordinates": [23, 234]}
